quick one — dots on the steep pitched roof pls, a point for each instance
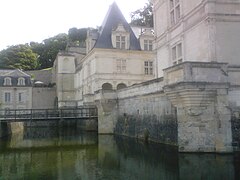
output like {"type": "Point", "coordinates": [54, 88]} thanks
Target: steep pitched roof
{"type": "Point", "coordinates": [13, 73]}
{"type": "Point", "coordinates": [112, 19]}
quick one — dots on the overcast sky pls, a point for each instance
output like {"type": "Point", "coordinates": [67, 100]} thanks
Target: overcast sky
{"type": "Point", "coordinates": [22, 21]}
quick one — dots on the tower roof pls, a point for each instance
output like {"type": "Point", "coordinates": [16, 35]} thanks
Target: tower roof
{"type": "Point", "coordinates": [113, 18]}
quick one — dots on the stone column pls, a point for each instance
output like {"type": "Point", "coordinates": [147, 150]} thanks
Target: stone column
{"type": "Point", "coordinates": [204, 120]}
{"type": "Point", "coordinates": [203, 114]}
{"type": "Point", "coordinates": [106, 103]}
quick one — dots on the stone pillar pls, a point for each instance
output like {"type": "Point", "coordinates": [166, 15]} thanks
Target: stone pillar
{"type": "Point", "coordinates": [203, 114]}
{"type": "Point", "coordinates": [204, 119]}
{"type": "Point", "coordinates": [106, 116]}
{"type": "Point", "coordinates": [106, 102]}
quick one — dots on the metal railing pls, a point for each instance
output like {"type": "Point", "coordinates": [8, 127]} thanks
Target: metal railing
{"type": "Point", "coordinates": [48, 114]}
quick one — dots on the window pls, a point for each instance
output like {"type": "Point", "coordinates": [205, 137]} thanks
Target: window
{"type": "Point", "coordinates": [121, 65]}
{"type": "Point", "coordinates": [148, 45]}
{"type": "Point", "coordinates": [148, 67]}
{"type": "Point", "coordinates": [120, 42]}
{"type": "Point", "coordinates": [175, 11]}
{"type": "Point", "coordinates": [7, 81]}
{"type": "Point", "coordinates": [177, 54]}
{"type": "Point", "coordinates": [21, 81]}
{"type": "Point", "coordinates": [20, 97]}
{"type": "Point", "coordinates": [7, 97]}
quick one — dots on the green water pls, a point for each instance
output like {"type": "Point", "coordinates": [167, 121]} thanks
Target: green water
{"type": "Point", "coordinates": [42, 153]}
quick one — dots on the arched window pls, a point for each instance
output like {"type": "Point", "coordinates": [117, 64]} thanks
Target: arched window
{"type": "Point", "coordinates": [121, 86]}
{"type": "Point", "coordinates": [107, 86]}
{"type": "Point", "coordinates": [7, 81]}
{"type": "Point", "coordinates": [21, 81]}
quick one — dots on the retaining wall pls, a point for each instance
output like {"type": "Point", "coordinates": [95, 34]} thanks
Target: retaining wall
{"type": "Point", "coordinates": [144, 112]}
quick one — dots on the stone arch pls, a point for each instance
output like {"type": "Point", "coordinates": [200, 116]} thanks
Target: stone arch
{"type": "Point", "coordinates": [121, 86]}
{"type": "Point", "coordinates": [107, 86]}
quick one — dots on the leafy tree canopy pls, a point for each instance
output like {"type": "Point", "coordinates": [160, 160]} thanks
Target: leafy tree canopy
{"type": "Point", "coordinates": [48, 49]}
{"type": "Point", "coordinates": [40, 55]}
{"type": "Point", "coordinates": [19, 56]}
{"type": "Point", "coordinates": [143, 16]}
{"type": "Point", "coordinates": [75, 34]}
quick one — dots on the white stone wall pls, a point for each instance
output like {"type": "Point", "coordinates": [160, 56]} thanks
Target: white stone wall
{"type": "Point", "coordinates": [43, 98]}
{"type": "Point", "coordinates": [65, 77]}
{"type": "Point", "coordinates": [66, 64]}
{"type": "Point", "coordinates": [100, 66]}
{"type": "Point", "coordinates": [142, 89]}
{"type": "Point", "coordinates": [26, 102]}
{"type": "Point", "coordinates": [227, 48]}
{"type": "Point", "coordinates": [208, 31]}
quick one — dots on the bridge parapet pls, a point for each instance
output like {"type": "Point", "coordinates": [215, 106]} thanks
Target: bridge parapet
{"type": "Point", "coordinates": [24, 115]}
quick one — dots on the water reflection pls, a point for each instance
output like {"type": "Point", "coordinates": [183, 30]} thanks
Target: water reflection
{"type": "Point", "coordinates": [70, 154]}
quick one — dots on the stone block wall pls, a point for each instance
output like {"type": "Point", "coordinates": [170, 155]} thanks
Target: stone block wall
{"type": "Point", "coordinates": [43, 98]}
{"type": "Point", "coordinates": [234, 101]}
{"type": "Point", "coordinates": [150, 117]}
{"type": "Point", "coordinates": [235, 119]}
{"type": "Point", "coordinates": [7, 129]}
{"type": "Point", "coordinates": [141, 111]}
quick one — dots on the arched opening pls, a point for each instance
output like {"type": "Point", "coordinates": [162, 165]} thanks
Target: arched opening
{"type": "Point", "coordinates": [107, 86]}
{"type": "Point", "coordinates": [121, 86]}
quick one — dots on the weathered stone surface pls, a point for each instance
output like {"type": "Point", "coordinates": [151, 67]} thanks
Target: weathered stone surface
{"type": "Point", "coordinates": [152, 114]}
{"type": "Point", "coordinates": [7, 129]}
{"type": "Point", "coordinates": [201, 98]}
{"type": "Point", "coordinates": [235, 119]}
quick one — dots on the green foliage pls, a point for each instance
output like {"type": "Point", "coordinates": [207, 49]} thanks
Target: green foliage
{"type": "Point", "coordinates": [144, 16]}
{"type": "Point", "coordinates": [19, 56]}
{"type": "Point", "coordinates": [36, 55]}
{"type": "Point", "coordinates": [75, 34]}
{"type": "Point", "coordinates": [49, 48]}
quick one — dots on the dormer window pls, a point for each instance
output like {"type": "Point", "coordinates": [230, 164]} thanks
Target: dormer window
{"type": "Point", "coordinates": [120, 42]}
{"type": "Point", "coordinates": [120, 37]}
{"type": "Point", "coordinates": [148, 45]}
{"type": "Point", "coordinates": [21, 82]}
{"type": "Point", "coordinates": [7, 81]}
{"type": "Point", "coordinates": [146, 39]}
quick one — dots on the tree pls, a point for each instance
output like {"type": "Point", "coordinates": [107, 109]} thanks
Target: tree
{"type": "Point", "coordinates": [49, 49]}
{"type": "Point", "coordinates": [40, 55]}
{"type": "Point", "coordinates": [143, 16]}
{"type": "Point", "coordinates": [19, 56]}
{"type": "Point", "coordinates": [77, 35]}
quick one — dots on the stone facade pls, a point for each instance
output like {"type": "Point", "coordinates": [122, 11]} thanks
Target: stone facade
{"type": "Point", "coordinates": [15, 89]}
{"type": "Point", "coordinates": [185, 93]}
{"type": "Point", "coordinates": [44, 98]}
{"type": "Point", "coordinates": [151, 117]}
{"type": "Point", "coordinates": [116, 57]}
{"type": "Point", "coordinates": [200, 30]}
{"type": "Point", "coordinates": [204, 89]}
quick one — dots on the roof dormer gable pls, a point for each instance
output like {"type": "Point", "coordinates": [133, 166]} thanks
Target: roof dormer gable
{"type": "Point", "coordinates": [120, 37]}
{"type": "Point", "coordinates": [146, 39]}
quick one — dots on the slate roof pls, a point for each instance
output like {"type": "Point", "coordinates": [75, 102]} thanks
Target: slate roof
{"type": "Point", "coordinates": [111, 21]}
{"type": "Point", "coordinates": [14, 74]}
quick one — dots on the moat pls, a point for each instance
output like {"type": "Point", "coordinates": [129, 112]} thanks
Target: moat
{"type": "Point", "coordinates": [67, 153]}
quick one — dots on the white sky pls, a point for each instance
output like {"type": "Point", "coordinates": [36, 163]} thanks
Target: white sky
{"type": "Point", "coordinates": [22, 21]}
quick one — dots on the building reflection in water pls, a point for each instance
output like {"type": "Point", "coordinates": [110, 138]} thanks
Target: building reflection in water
{"type": "Point", "coordinates": [71, 154]}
